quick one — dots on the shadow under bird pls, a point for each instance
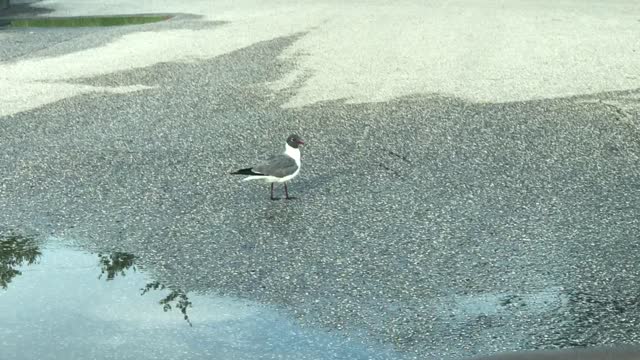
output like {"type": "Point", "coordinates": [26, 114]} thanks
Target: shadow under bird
{"type": "Point", "coordinates": [279, 168]}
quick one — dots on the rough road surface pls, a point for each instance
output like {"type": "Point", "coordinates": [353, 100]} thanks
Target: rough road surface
{"type": "Point", "coordinates": [471, 182]}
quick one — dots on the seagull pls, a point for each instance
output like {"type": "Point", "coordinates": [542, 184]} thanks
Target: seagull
{"type": "Point", "coordinates": [279, 168]}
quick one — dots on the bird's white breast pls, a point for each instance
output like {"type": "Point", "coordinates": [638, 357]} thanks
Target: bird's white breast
{"type": "Point", "coordinates": [293, 153]}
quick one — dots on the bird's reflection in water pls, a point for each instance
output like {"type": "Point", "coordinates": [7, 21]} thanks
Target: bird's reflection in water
{"type": "Point", "coordinates": [117, 263]}
{"type": "Point", "coordinates": [15, 251]}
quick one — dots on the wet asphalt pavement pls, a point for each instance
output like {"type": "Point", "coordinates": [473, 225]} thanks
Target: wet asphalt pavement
{"type": "Point", "coordinates": [440, 227]}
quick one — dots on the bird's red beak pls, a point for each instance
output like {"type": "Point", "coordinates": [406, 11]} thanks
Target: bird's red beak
{"type": "Point", "coordinates": [300, 142]}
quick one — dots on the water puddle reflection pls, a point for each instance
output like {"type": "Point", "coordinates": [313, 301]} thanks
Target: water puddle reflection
{"type": "Point", "coordinates": [59, 302]}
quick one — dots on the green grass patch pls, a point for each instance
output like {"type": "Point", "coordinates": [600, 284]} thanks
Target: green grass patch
{"type": "Point", "coordinates": [87, 21]}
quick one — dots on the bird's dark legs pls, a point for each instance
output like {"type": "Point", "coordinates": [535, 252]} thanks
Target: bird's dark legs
{"type": "Point", "coordinates": [286, 193]}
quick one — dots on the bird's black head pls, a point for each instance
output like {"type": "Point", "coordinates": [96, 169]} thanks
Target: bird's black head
{"type": "Point", "coordinates": [294, 141]}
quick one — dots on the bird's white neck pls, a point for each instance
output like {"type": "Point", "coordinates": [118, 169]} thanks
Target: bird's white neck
{"type": "Point", "coordinates": [293, 152]}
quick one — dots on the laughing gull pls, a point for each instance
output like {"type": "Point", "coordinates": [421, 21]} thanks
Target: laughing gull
{"type": "Point", "coordinates": [280, 168]}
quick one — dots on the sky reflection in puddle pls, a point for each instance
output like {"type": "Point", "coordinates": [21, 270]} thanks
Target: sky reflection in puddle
{"type": "Point", "coordinates": [57, 302]}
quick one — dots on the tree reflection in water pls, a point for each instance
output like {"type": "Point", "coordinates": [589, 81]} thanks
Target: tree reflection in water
{"type": "Point", "coordinates": [15, 251]}
{"type": "Point", "coordinates": [116, 263]}
{"type": "Point", "coordinates": [179, 296]}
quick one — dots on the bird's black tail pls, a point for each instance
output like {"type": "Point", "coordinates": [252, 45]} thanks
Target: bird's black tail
{"type": "Point", "coordinates": [247, 171]}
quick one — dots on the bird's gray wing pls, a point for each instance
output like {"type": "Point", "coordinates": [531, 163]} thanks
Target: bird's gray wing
{"type": "Point", "coordinates": [278, 166]}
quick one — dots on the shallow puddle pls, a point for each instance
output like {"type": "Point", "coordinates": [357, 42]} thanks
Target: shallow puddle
{"type": "Point", "coordinates": [59, 302]}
